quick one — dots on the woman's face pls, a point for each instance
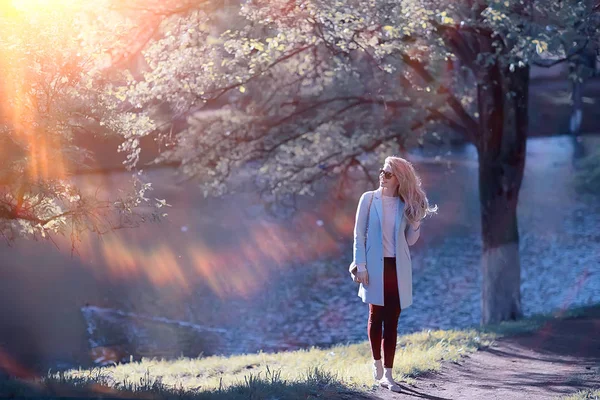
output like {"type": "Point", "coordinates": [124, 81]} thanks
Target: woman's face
{"type": "Point", "coordinates": [387, 179]}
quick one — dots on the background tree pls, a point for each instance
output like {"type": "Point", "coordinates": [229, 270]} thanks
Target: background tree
{"type": "Point", "coordinates": [302, 90]}
{"type": "Point", "coordinates": [53, 92]}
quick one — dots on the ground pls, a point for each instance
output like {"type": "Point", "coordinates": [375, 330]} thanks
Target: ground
{"type": "Point", "coordinates": [560, 359]}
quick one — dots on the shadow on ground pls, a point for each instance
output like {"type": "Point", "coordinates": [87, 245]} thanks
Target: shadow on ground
{"type": "Point", "coordinates": [573, 333]}
{"type": "Point", "coordinates": [556, 356]}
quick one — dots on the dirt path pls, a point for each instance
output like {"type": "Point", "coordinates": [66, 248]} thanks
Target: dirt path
{"type": "Point", "coordinates": [560, 359]}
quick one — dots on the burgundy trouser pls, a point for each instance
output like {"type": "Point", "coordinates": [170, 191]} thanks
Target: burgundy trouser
{"type": "Point", "coordinates": [385, 316]}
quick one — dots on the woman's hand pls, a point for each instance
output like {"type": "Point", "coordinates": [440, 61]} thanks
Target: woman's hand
{"type": "Point", "coordinates": [362, 277]}
{"type": "Point", "coordinates": [415, 225]}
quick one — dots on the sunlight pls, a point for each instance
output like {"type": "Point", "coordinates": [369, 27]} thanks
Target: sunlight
{"type": "Point", "coordinates": [10, 365]}
{"type": "Point", "coordinates": [28, 6]}
{"type": "Point", "coordinates": [32, 34]}
{"type": "Point", "coordinates": [241, 266]}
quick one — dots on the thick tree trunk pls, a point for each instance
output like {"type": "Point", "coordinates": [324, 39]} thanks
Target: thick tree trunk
{"type": "Point", "coordinates": [502, 98]}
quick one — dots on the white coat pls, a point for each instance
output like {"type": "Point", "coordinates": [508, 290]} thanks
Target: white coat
{"type": "Point", "coordinates": [372, 253]}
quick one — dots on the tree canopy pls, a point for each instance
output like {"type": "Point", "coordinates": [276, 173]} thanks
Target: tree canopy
{"type": "Point", "coordinates": [279, 93]}
{"type": "Point", "coordinates": [287, 93]}
{"type": "Point", "coordinates": [54, 89]}
{"type": "Point", "coordinates": [303, 89]}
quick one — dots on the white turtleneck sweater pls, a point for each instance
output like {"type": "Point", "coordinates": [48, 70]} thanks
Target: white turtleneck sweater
{"type": "Point", "coordinates": [390, 208]}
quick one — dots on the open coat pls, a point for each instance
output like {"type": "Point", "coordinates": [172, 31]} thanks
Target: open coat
{"type": "Point", "coordinates": [372, 253]}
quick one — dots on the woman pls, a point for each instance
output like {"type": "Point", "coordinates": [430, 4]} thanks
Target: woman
{"type": "Point", "coordinates": [394, 213]}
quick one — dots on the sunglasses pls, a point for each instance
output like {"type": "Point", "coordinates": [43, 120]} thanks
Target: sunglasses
{"type": "Point", "coordinates": [388, 175]}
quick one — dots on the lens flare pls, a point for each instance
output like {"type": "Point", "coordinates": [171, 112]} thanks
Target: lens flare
{"type": "Point", "coordinates": [29, 6]}
{"type": "Point", "coordinates": [12, 367]}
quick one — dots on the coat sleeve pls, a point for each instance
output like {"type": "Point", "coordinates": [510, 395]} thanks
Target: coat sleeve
{"type": "Point", "coordinates": [412, 235]}
{"type": "Point", "coordinates": [360, 226]}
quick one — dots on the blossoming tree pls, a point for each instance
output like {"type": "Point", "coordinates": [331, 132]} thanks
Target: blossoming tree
{"type": "Point", "coordinates": [295, 91]}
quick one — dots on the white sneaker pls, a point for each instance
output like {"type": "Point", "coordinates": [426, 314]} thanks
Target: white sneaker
{"type": "Point", "coordinates": [377, 370]}
{"type": "Point", "coordinates": [388, 382]}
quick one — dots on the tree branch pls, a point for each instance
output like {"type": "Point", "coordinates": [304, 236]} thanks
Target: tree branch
{"type": "Point", "coordinates": [469, 124]}
{"type": "Point", "coordinates": [552, 63]}
{"type": "Point", "coordinates": [222, 91]}
{"type": "Point", "coordinates": [549, 64]}
{"type": "Point", "coordinates": [358, 100]}
{"type": "Point", "coordinates": [437, 115]}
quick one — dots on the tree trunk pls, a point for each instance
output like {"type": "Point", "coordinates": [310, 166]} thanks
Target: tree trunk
{"type": "Point", "coordinates": [583, 65]}
{"type": "Point", "coordinates": [502, 103]}
{"type": "Point", "coordinates": [577, 109]}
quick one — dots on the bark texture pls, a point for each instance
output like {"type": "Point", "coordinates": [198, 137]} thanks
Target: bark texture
{"type": "Point", "coordinates": [502, 97]}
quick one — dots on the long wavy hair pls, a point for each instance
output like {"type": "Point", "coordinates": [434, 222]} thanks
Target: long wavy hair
{"type": "Point", "coordinates": [416, 204]}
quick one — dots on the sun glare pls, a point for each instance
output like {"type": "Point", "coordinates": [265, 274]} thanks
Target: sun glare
{"type": "Point", "coordinates": [38, 9]}
{"type": "Point", "coordinates": [42, 5]}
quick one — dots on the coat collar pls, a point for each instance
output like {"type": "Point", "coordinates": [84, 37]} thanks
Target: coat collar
{"type": "Point", "coordinates": [378, 203]}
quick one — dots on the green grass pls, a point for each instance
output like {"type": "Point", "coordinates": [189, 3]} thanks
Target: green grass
{"type": "Point", "coordinates": [342, 371]}
{"type": "Point", "coordinates": [589, 394]}
{"type": "Point", "coordinates": [339, 372]}
{"type": "Point", "coordinates": [348, 365]}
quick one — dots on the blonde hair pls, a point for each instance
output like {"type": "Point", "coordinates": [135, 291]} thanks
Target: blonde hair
{"type": "Point", "coordinates": [416, 205]}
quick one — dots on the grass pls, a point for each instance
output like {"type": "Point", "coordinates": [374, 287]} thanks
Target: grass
{"type": "Point", "coordinates": [589, 394]}
{"type": "Point", "coordinates": [342, 371]}
{"type": "Point", "coordinates": [339, 372]}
